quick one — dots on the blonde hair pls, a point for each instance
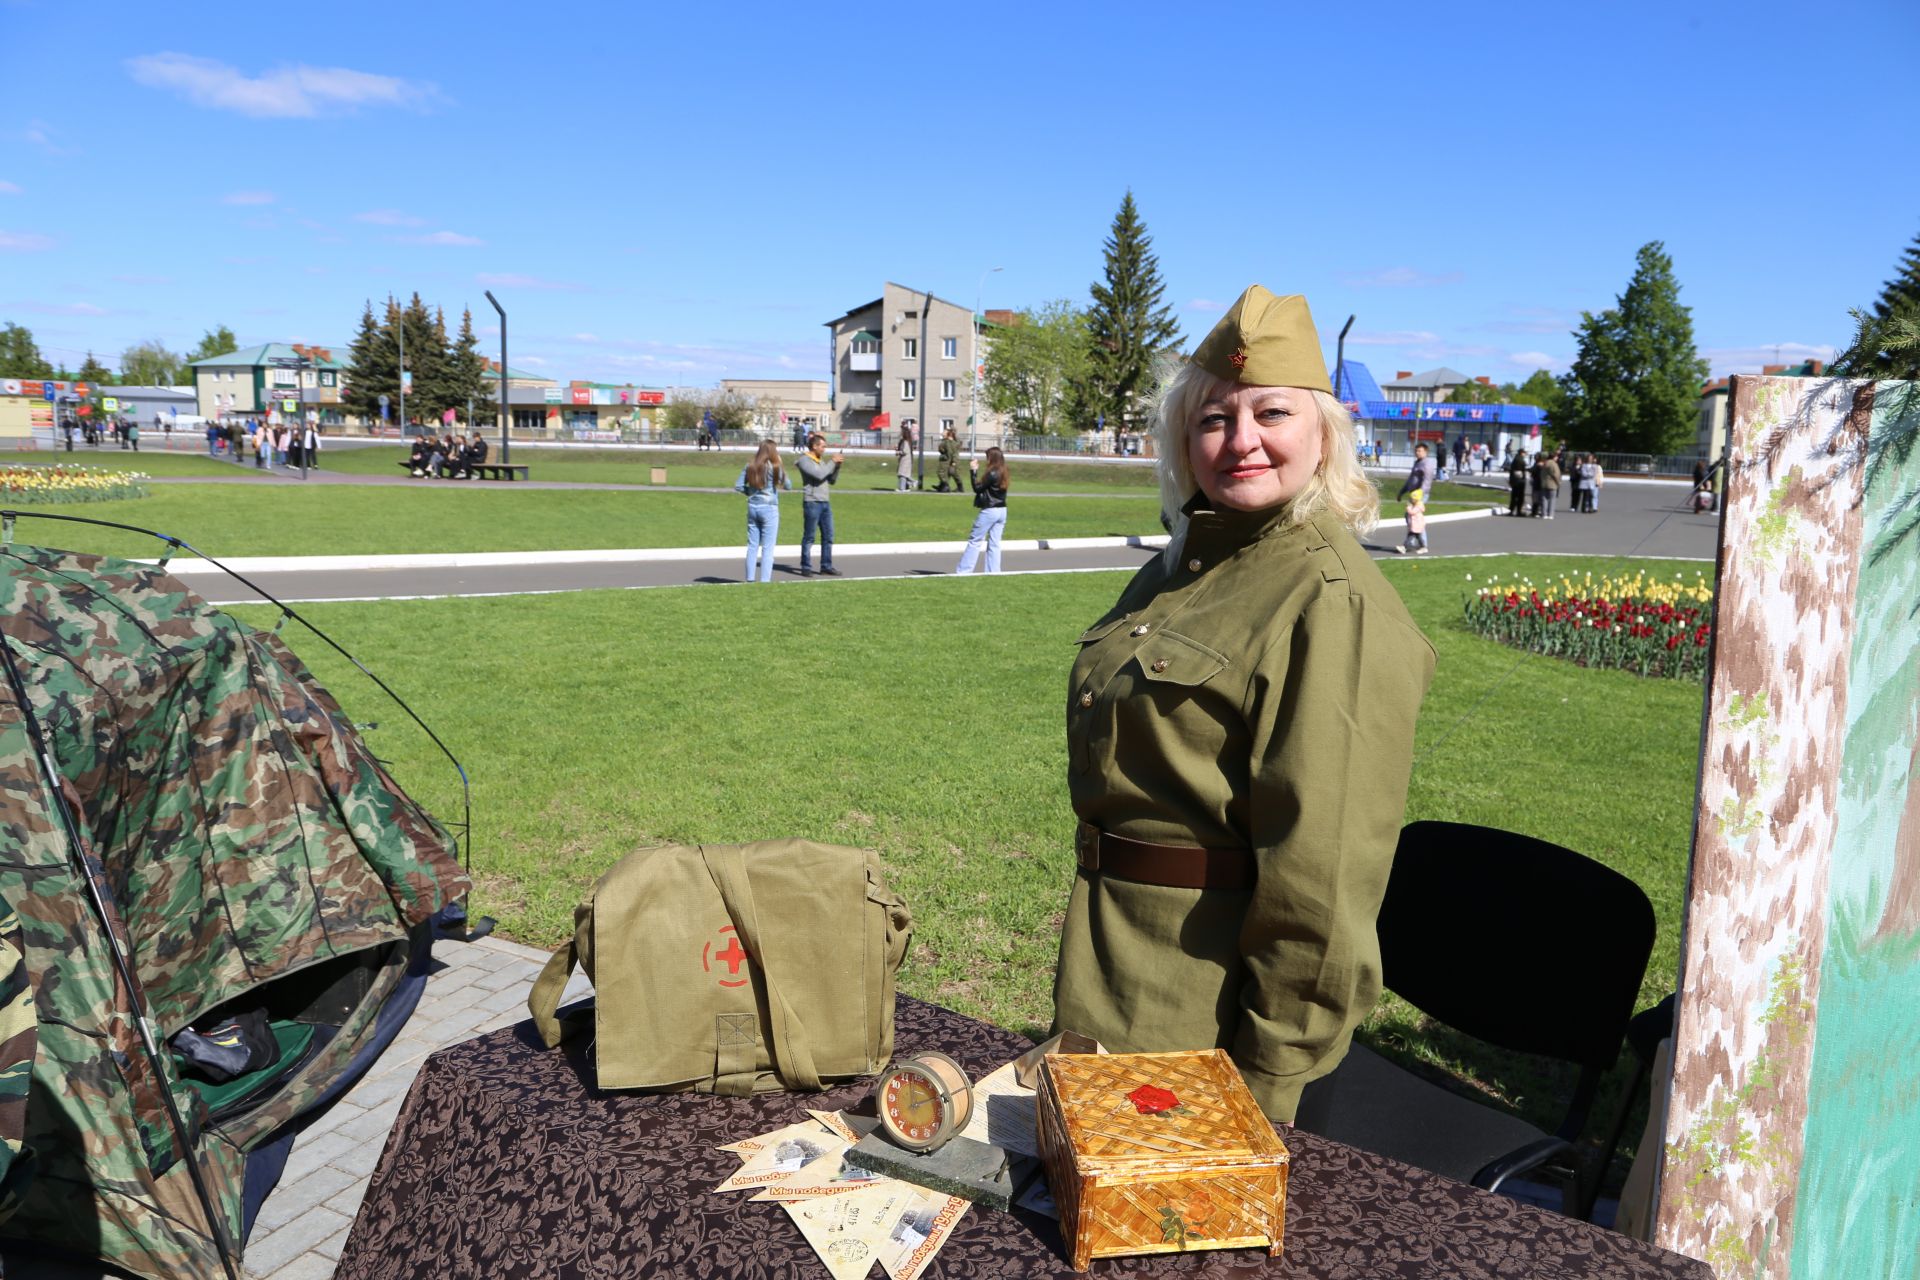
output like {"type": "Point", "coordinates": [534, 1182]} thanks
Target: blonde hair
{"type": "Point", "coordinates": [1338, 486]}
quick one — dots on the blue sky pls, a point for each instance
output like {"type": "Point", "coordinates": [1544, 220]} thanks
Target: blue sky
{"type": "Point", "coordinates": [673, 194]}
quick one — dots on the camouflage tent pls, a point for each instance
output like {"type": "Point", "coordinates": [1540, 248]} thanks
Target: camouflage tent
{"type": "Point", "coordinates": [211, 806]}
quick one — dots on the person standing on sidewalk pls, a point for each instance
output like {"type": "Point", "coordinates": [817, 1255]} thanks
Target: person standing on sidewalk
{"type": "Point", "coordinates": [950, 462]}
{"type": "Point", "coordinates": [1517, 483]}
{"type": "Point", "coordinates": [1546, 485]}
{"type": "Point", "coordinates": [817, 475]}
{"type": "Point", "coordinates": [903, 475]}
{"type": "Point", "coordinates": [990, 496]}
{"type": "Point", "coordinates": [762, 480]}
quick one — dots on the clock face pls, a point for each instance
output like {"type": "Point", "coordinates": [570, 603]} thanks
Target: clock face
{"type": "Point", "coordinates": [911, 1105]}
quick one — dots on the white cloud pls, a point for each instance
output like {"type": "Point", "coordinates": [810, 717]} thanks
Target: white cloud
{"type": "Point", "coordinates": [59, 308]}
{"type": "Point", "coordinates": [1726, 360]}
{"type": "Point", "coordinates": [586, 337]}
{"type": "Point", "coordinates": [389, 218]}
{"type": "Point", "coordinates": [1538, 360]}
{"type": "Point", "coordinates": [539, 362]}
{"type": "Point", "coordinates": [296, 91]}
{"type": "Point", "coordinates": [24, 242]}
{"type": "Point", "coordinates": [152, 280]}
{"type": "Point", "coordinates": [9, 188]}
{"type": "Point", "coordinates": [1205, 304]}
{"type": "Point", "coordinates": [1535, 320]}
{"type": "Point", "coordinates": [452, 238]}
{"type": "Point", "coordinates": [1393, 338]}
{"type": "Point", "coordinates": [1398, 278]}
{"type": "Point", "coordinates": [494, 280]}
{"type": "Point", "coordinates": [248, 197]}
{"type": "Point", "coordinates": [41, 134]}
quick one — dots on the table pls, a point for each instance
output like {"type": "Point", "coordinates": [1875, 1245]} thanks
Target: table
{"type": "Point", "coordinates": [506, 1162]}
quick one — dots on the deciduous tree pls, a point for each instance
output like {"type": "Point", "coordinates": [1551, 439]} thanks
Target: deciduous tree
{"type": "Point", "coordinates": [150, 364]}
{"type": "Point", "coordinates": [1128, 322]}
{"type": "Point", "coordinates": [20, 355]}
{"type": "Point", "coordinates": [218, 341]}
{"type": "Point", "coordinates": [1635, 384]}
{"type": "Point", "coordinates": [1035, 366]}
{"type": "Point", "coordinates": [1541, 389]}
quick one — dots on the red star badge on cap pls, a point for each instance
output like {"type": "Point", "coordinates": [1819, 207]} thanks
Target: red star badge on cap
{"type": "Point", "coordinates": [1239, 359]}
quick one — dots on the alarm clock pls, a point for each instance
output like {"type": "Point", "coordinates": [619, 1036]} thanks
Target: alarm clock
{"type": "Point", "coordinates": [923, 1101]}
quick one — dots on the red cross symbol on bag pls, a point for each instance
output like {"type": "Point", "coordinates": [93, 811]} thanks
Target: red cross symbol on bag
{"type": "Point", "coordinates": [733, 955]}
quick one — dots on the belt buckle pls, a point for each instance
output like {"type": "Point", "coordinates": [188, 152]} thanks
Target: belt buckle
{"type": "Point", "coordinates": [1086, 846]}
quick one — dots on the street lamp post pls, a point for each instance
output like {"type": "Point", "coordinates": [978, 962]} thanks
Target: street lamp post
{"type": "Point", "coordinates": [973, 419]}
{"type": "Point", "coordinates": [504, 413]}
{"type": "Point", "coordinates": [401, 331]}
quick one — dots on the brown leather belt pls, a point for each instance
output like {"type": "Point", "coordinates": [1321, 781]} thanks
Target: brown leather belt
{"type": "Point", "coordinates": [1169, 865]}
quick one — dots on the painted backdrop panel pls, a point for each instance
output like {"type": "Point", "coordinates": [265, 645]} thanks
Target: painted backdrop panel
{"type": "Point", "coordinates": [1792, 1108]}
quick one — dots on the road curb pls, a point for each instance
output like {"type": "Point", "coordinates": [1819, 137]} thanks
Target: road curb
{"type": "Point", "coordinates": [245, 565]}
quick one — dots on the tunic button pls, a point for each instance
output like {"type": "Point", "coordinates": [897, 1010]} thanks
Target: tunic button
{"type": "Point", "coordinates": [1086, 699]}
{"type": "Point", "coordinates": [1139, 630]}
{"type": "Point", "coordinates": [1193, 565]}
{"type": "Point", "coordinates": [1159, 664]}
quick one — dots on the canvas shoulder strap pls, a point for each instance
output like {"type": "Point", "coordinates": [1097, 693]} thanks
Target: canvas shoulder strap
{"type": "Point", "coordinates": [544, 1001]}
{"type": "Point", "coordinates": [792, 1050]}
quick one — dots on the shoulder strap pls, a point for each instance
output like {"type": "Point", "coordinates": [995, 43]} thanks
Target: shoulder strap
{"type": "Point", "coordinates": [792, 1052]}
{"type": "Point", "coordinates": [545, 999]}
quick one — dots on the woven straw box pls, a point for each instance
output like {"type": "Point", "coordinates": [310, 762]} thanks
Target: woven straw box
{"type": "Point", "coordinates": [1133, 1172]}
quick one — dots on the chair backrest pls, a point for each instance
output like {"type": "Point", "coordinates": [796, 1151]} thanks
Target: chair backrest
{"type": "Point", "coordinates": [1515, 941]}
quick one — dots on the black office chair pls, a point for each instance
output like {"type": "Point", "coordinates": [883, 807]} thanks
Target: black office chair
{"type": "Point", "coordinates": [1515, 942]}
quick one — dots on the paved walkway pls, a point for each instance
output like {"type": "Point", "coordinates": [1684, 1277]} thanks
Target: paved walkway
{"type": "Point", "coordinates": [476, 987]}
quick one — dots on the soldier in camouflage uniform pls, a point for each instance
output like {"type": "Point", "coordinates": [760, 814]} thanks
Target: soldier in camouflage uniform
{"type": "Point", "coordinates": [950, 462]}
{"type": "Point", "coordinates": [1240, 733]}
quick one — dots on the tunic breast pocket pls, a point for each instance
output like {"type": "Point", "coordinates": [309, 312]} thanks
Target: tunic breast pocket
{"type": "Point", "coordinates": [1169, 658]}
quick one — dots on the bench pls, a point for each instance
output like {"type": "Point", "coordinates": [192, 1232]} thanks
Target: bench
{"type": "Point", "coordinates": [489, 470]}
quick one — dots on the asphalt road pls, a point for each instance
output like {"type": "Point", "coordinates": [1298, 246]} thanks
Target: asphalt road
{"type": "Point", "coordinates": [1637, 518]}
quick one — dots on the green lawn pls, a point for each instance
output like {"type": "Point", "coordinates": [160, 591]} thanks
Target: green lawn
{"type": "Point", "coordinates": [710, 470]}
{"type": "Point", "coordinates": [254, 520]}
{"type": "Point", "coordinates": [923, 718]}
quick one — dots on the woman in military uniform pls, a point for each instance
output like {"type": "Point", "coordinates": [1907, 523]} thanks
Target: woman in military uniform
{"type": "Point", "coordinates": [1240, 732]}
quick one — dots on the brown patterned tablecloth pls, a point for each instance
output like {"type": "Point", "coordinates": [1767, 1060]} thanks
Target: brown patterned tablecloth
{"type": "Point", "coordinates": [506, 1163]}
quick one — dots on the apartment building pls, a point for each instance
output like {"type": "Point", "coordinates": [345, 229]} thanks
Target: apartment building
{"type": "Point", "coordinates": [908, 358]}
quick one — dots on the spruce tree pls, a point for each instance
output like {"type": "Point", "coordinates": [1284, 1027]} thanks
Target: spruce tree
{"type": "Point", "coordinates": [426, 361]}
{"type": "Point", "coordinates": [471, 382]}
{"type": "Point", "coordinates": [92, 371]}
{"type": "Point", "coordinates": [1635, 384]}
{"type": "Point", "coordinates": [375, 371]}
{"type": "Point", "coordinates": [1886, 344]}
{"type": "Point", "coordinates": [1128, 323]}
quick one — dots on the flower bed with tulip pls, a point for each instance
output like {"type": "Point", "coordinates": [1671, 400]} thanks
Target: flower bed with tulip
{"type": "Point", "coordinates": [42, 485]}
{"type": "Point", "coordinates": [1638, 623]}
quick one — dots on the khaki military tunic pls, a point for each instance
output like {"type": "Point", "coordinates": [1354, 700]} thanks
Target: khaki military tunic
{"type": "Point", "coordinates": [1256, 691]}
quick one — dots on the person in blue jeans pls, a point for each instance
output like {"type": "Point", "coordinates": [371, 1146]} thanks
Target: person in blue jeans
{"type": "Point", "coordinates": [990, 496]}
{"type": "Point", "coordinates": [817, 476]}
{"type": "Point", "coordinates": [762, 480]}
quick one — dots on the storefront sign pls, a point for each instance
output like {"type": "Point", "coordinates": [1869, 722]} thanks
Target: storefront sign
{"type": "Point", "coordinates": [649, 397]}
{"type": "Point", "coordinates": [553, 395]}
{"type": "Point", "coordinates": [9, 386]}
{"type": "Point", "coordinates": [583, 395]}
{"type": "Point", "coordinates": [109, 405]}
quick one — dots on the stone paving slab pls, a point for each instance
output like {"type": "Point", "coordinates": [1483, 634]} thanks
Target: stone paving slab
{"type": "Point", "coordinates": [475, 987]}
